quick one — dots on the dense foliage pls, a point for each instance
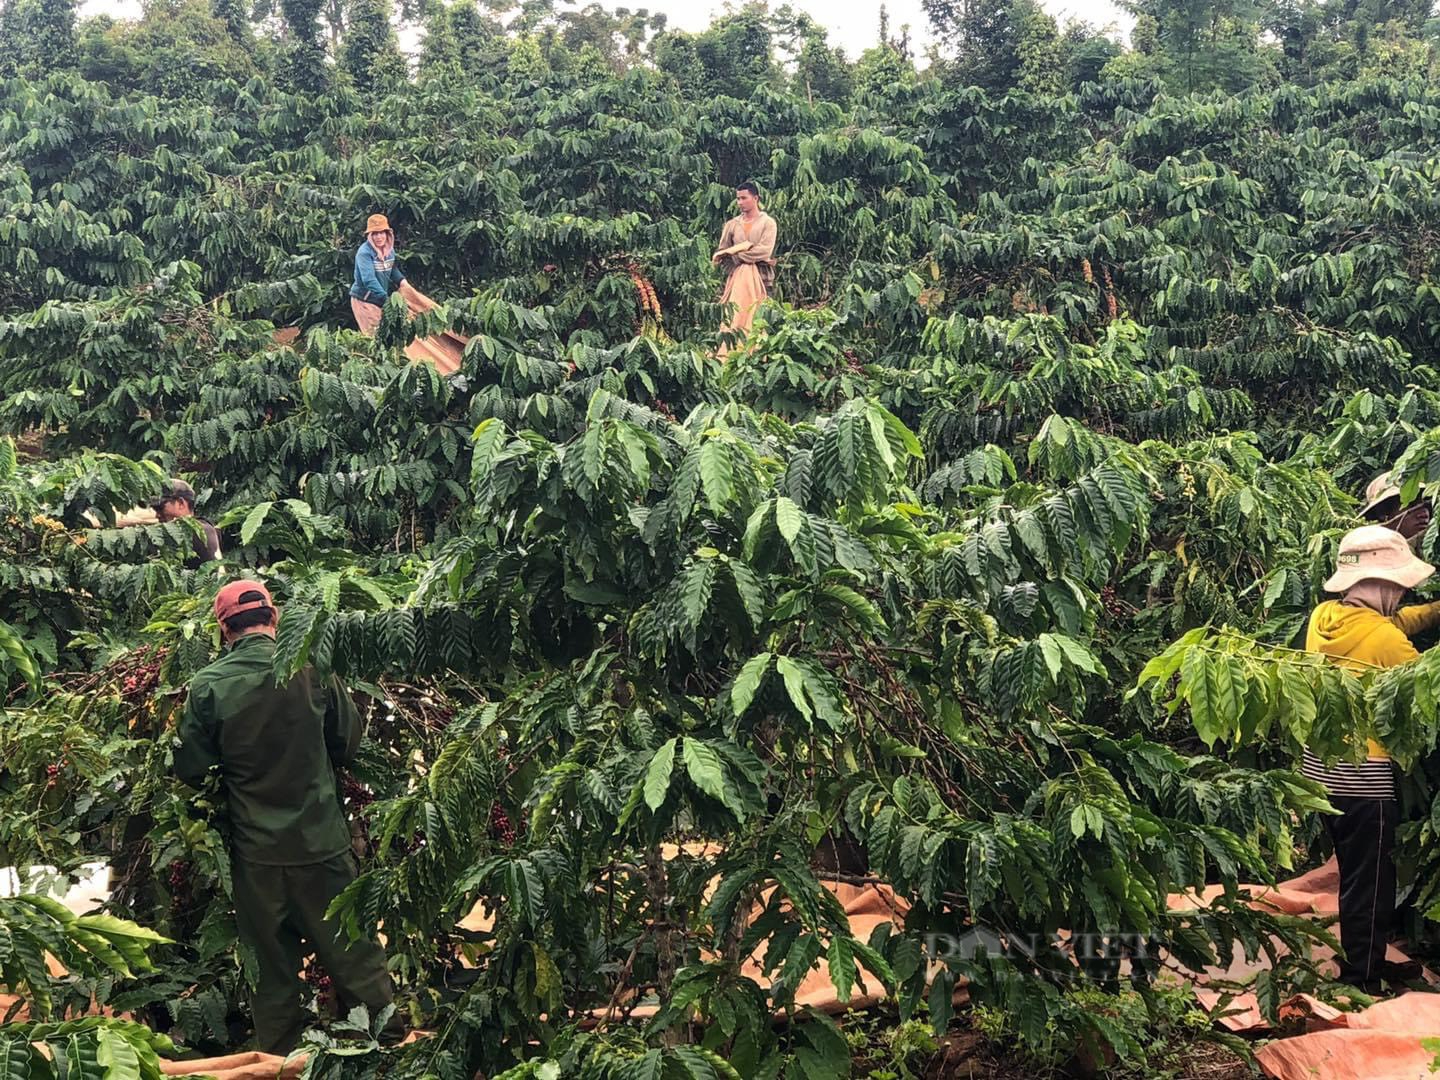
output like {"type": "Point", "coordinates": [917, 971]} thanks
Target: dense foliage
{"type": "Point", "coordinates": [1058, 385]}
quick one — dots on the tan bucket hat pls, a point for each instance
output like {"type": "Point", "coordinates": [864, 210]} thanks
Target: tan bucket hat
{"type": "Point", "coordinates": [1378, 491]}
{"type": "Point", "coordinates": [1375, 552]}
{"type": "Point", "coordinates": [377, 223]}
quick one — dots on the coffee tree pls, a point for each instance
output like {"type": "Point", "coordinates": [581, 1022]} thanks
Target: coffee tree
{"type": "Point", "coordinates": [979, 572]}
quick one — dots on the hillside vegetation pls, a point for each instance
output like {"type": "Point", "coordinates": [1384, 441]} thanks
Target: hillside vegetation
{"type": "Point", "coordinates": [1057, 381]}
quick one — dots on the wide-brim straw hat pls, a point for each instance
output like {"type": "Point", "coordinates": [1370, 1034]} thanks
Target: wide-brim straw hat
{"type": "Point", "coordinates": [1373, 552]}
{"type": "Point", "coordinates": [1379, 490]}
{"type": "Point", "coordinates": [377, 223]}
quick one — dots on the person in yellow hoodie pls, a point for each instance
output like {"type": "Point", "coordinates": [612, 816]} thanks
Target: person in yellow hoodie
{"type": "Point", "coordinates": [1367, 628]}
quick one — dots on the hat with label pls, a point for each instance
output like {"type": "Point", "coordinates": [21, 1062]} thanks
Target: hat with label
{"type": "Point", "coordinates": [1378, 491]}
{"type": "Point", "coordinates": [1373, 552]}
{"type": "Point", "coordinates": [239, 597]}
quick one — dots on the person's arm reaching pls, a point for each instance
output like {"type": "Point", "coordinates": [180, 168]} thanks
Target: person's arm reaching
{"type": "Point", "coordinates": [396, 275]}
{"type": "Point", "coordinates": [343, 727]}
{"type": "Point", "coordinates": [375, 291]}
{"type": "Point", "coordinates": [1417, 618]}
{"type": "Point", "coordinates": [199, 749]}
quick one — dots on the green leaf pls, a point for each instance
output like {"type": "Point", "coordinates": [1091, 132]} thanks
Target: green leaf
{"type": "Point", "coordinates": [840, 959]}
{"type": "Point", "coordinates": [717, 475]}
{"type": "Point", "coordinates": [118, 1058]}
{"type": "Point", "coordinates": [549, 987]}
{"type": "Point", "coordinates": [794, 676]}
{"type": "Point", "coordinates": [253, 521]}
{"type": "Point", "coordinates": [19, 655]}
{"type": "Point", "coordinates": [706, 770]}
{"type": "Point", "coordinates": [788, 519]}
{"type": "Point", "coordinates": [657, 776]}
{"type": "Point", "coordinates": [747, 683]}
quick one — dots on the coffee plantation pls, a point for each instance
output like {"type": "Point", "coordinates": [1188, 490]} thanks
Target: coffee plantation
{"type": "Point", "coordinates": [979, 571]}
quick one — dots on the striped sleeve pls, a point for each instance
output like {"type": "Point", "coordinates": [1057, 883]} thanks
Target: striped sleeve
{"type": "Point", "coordinates": [1371, 779]}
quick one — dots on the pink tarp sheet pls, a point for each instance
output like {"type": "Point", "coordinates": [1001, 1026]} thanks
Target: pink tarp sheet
{"type": "Point", "coordinates": [446, 351]}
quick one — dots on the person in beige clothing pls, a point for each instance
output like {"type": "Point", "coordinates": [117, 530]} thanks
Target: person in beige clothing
{"type": "Point", "coordinates": [747, 255]}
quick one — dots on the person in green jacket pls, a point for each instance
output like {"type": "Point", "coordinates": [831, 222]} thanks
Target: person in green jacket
{"type": "Point", "coordinates": [274, 750]}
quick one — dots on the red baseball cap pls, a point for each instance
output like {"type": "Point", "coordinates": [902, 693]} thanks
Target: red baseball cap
{"type": "Point", "coordinates": [241, 596]}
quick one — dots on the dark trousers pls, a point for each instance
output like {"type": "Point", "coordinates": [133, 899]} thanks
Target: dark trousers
{"type": "Point", "coordinates": [1364, 839]}
{"type": "Point", "coordinates": [280, 910]}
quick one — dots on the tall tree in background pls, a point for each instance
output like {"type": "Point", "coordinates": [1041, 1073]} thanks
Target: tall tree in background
{"type": "Point", "coordinates": [39, 37]}
{"type": "Point", "coordinates": [479, 40]}
{"type": "Point", "coordinates": [899, 43]}
{"type": "Point", "coordinates": [1040, 51]}
{"type": "Point", "coordinates": [1086, 53]}
{"type": "Point", "coordinates": [821, 72]}
{"type": "Point", "coordinates": [305, 67]}
{"type": "Point", "coordinates": [237, 21]}
{"type": "Point", "coordinates": [1212, 44]}
{"type": "Point", "coordinates": [998, 45]}
{"type": "Point", "coordinates": [371, 54]}
{"type": "Point", "coordinates": [53, 33]}
{"type": "Point", "coordinates": [732, 58]}
{"type": "Point", "coordinates": [1322, 40]}
{"type": "Point", "coordinates": [437, 46]}
{"type": "Point", "coordinates": [619, 35]}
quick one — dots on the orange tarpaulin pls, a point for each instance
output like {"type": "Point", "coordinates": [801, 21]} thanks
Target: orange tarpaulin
{"type": "Point", "coordinates": [1314, 893]}
{"type": "Point", "coordinates": [446, 351]}
{"type": "Point", "coordinates": [248, 1066]}
{"type": "Point", "coordinates": [866, 907]}
{"type": "Point", "coordinates": [1382, 1042]}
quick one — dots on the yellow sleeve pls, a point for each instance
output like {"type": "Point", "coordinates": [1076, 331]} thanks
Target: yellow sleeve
{"type": "Point", "coordinates": [1417, 618]}
{"type": "Point", "coordinates": [1387, 647]}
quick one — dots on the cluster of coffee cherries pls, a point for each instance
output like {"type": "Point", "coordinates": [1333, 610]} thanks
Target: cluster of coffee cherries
{"type": "Point", "coordinates": [1114, 607]}
{"type": "Point", "coordinates": [140, 671]}
{"type": "Point", "coordinates": [318, 979]}
{"type": "Point", "coordinates": [180, 880]}
{"type": "Point", "coordinates": [356, 795]}
{"type": "Point", "coordinates": [500, 827]}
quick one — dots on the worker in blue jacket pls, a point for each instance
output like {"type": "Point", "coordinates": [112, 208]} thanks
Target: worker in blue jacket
{"type": "Point", "coordinates": [377, 274]}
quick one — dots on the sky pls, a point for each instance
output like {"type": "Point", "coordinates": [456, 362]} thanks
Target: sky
{"type": "Point", "coordinates": [852, 23]}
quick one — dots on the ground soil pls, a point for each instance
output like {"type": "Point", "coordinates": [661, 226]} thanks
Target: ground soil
{"type": "Point", "coordinates": [966, 1055]}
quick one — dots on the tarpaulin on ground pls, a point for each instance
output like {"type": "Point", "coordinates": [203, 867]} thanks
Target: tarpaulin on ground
{"type": "Point", "coordinates": [1379, 1043]}
{"type": "Point", "coordinates": [1383, 1042]}
{"type": "Point", "coordinates": [1313, 893]}
{"type": "Point", "coordinates": [446, 351]}
{"type": "Point", "coordinates": [252, 1065]}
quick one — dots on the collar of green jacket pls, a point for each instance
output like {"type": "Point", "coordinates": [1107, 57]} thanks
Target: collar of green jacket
{"type": "Point", "coordinates": [246, 641]}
